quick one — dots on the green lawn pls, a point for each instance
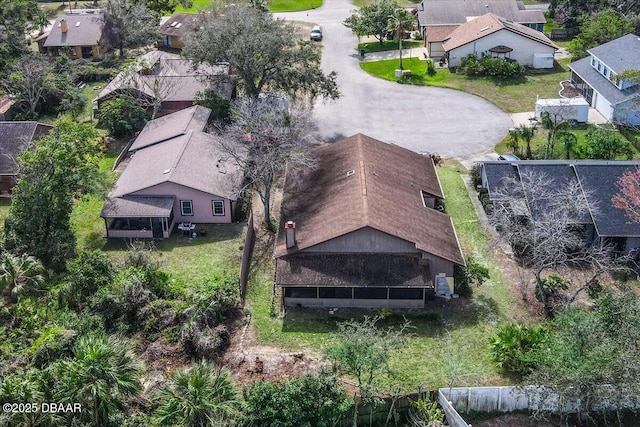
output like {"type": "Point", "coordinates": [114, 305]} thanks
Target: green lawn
{"type": "Point", "coordinates": [450, 340]}
{"type": "Point", "coordinates": [370, 47]}
{"type": "Point", "coordinates": [274, 6]}
{"type": "Point", "coordinates": [511, 95]}
{"type": "Point", "coordinates": [403, 3]}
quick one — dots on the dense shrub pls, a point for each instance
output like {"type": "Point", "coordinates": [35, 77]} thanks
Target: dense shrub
{"type": "Point", "coordinates": [307, 401]}
{"type": "Point", "coordinates": [122, 116]}
{"type": "Point", "coordinates": [474, 274]}
{"type": "Point", "coordinates": [219, 105]}
{"type": "Point", "coordinates": [513, 345]}
{"type": "Point", "coordinates": [486, 65]}
{"type": "Point", "coordinates": [88, 272]}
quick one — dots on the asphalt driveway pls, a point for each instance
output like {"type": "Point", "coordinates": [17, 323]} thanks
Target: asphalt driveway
{"type": "Point", "coordinates": [422, 119]}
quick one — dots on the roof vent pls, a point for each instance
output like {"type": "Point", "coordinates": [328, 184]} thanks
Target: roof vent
{"type": "Point", "coordinates": [167, 171]}
{"type": "Point", "coordinates": [78, 24]}
{"type": "Point", "coordinates": [351, 173]}
{"type": "Point", "coordinates": [484, 29]}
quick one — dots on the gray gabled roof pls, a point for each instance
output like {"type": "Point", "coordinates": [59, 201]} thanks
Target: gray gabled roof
{"type": "Point", "coordinates": [171, 126]}
{"type": "Point", "coordinates": [598, 181]}
{"type": "Point", "coordinates": [84, 29]}
{"type": "Point", "coordinates": [194, 159]}
{"type": "Point", "coordinates": [14, 138]}
{"type": "Point", "coordinates": [620, 54]}
{"type": "Point", "coordinates": [601, 84]}
{"type": "Point", "coordinates": [452, 12]}
{"type": "Point", "coordinates": [169, 76]}
{"type": "Point", "coordinates": [601, 181]}
{"type": "Point", "coordinates": [137, 206]}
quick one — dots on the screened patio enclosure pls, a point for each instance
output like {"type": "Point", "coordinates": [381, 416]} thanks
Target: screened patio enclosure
{"type": "Point", "coordinates": [146, 217]}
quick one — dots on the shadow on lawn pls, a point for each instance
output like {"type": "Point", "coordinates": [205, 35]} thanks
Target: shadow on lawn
{"type": "Point", "coordinates": [213, 233]}
{"type": "Point", "coordinates": [438, 316]}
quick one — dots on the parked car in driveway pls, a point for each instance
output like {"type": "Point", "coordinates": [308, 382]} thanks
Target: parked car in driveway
{"type": "Point", "coordinates": [316, 33]}
{"type": "Point", "coordinates": [509, 157]}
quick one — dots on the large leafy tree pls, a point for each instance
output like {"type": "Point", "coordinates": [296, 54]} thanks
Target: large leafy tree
{"type": "Point", "coordinates": [203, 395]}
{"type": "Point", "coordinates": [376, 19]}
{"type": "Point", "coordinates": [606, 144]}
{"type": "Point", "coordinates": [598, 29]}
{"type": "Point", "coordinates": [61, 165]}
{"type": "Point", "coordinates": [31, 80]}
{"type": "Point", "coordinates": [160, 7]}
{"type": "Point", "coordinates": [101, 374]}
{"type": "Point", "coordinates": [265, 53]}
{"type": "Point", "coordinates": [16, 17]}
{"type": "Point", "coordinates": [127, 24]}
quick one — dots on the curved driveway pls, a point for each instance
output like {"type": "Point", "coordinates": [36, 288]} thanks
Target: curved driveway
{"type": "Point", "coordinates": [422, 119]}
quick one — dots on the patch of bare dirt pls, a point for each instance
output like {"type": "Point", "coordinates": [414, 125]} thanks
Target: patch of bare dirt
{"type": "Point", "coordinates": [249, 361]}
{"type": "Point", "coordinates": [568, 90]}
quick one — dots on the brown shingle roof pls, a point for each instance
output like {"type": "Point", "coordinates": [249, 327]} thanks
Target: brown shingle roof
{"type": "Point", "coordinates": [438, 33]}
{"type": "Point", "coordinates": [14, 138]}
{"type": "Point", "coordinates": [362, 182]}
{"type": "Point", "coordinates": [172, 76]}
{"type": "Point", "coordinates": [84, 29]}
{"type": "Point", "coordinates": [489, 24]}
{"type": "Point", "coordinates": [179, 24]}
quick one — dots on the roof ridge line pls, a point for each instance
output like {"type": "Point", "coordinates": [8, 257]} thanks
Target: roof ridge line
{"type": "Point", "coordinates": [363, 182]}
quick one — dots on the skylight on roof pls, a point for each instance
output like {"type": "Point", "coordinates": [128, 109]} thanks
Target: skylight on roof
{"type": "Point", "coordinates": [351, 172]}
{"type": "Point", "coordinates": [78, 24]}
{"type": "Point", "coordinates": [174, 23]}
{"type": "Point", "coordinates": [484, 29]}
{"type": "Point", "coordinates": [179, 25]}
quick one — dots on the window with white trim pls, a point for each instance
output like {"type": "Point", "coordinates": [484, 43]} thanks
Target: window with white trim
{"type": "Point", "coordinates": [186, 207]}
{"type": "Point", "coordinates": [218, 207]}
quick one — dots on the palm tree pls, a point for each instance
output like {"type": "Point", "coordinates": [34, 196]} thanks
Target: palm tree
{"type": "Point", "coordinates": [514, 137]}
{"type": "Point", "coordinates": [569, 141]}
{"type": "Point", "coordinates": [20, 273]}
{"type": "Point", "coordinates": [203, 395]}
{"type": "Point", "coordinates": [527, 133]}
{"type": "Point", "coordinates": [400, 21]}
{"type": "Point", "coordinates": [102, 373]}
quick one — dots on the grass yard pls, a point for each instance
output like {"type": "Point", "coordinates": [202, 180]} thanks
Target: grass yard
{"type": "Point", "coordinates": [511, 96]}
{"type": "Point", "coordinates": [5, 203]}
{"type": "Point", "coordinates": [449, 341]}
{"type": "Point", "coordinates": [370, 47]}
{"type": "Point", "coordinates": [539, 142]}
{"type": "Point", "coordinates": [274, 6]}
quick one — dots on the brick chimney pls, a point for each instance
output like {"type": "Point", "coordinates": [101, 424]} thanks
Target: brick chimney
{"type": "Point", "coordinates": [63, 26]}
{"type": "Point", "coordinates": [290, 234]}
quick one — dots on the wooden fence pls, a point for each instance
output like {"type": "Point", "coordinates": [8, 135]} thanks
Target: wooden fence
{"type": "Point", "coordinates": [395, 409]}
{"type": "Point", "coordinates": [564, 33]}
{"type": "Point", "coordinates": [249, 240]}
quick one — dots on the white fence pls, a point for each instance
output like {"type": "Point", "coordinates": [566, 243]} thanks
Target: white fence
{"type": "Point", "coordinates": [458, 400]}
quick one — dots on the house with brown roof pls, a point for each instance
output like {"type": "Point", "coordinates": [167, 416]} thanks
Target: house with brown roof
{"type": "Point", "coordinates": [169, 79]}
{"type": "Point", "coordinates": [176, 27]}
{"type": "Point", "coordinates": [80, 33]}
{"type": "Point", "coordinates": [499, 37]}
{"type": "Point", "coordinates": [438, 18]}
{"type": "Point", "coordinates": [176, 173]}
{"type": "Point", "coordinates": [15, 137]}
{"type": "Point", "coordinates": [365, 228]}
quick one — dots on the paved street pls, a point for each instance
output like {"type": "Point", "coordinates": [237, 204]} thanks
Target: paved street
{"type": "Point", "coordinates": [423, 119]}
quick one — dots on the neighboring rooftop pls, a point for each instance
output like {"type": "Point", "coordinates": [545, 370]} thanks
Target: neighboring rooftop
{"type": "Point", "coordinates": [14, 138]}
{"type": "Point", "coordinates": [171, 75]}
{"type": "Point", "coordinates": [193, 159]}
{"type": "Point", "coordinates": [601, 84]}
{"type": "Point", "coordinates": [597, 178]}
{"type": "Point", "coordinates": [83, 29]}
{"type": "Point", "coordinates": [450, 12]}
{"type": "Point", "coordinates": [362, 182]}
{"type": "Point", "coordinates": [171, 126]}
{"type": "Point", "coordinates": [491, 23]}
{"type": "Point", "coordinates": [620, 54]}
{"type": "Point", "coordinates": [179, 24]}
